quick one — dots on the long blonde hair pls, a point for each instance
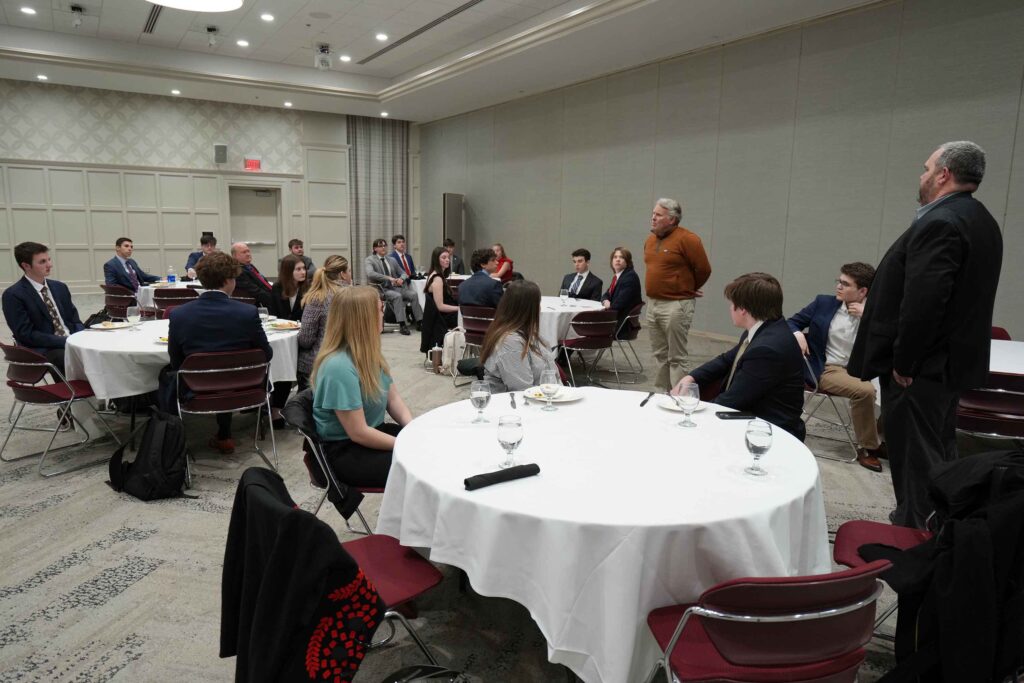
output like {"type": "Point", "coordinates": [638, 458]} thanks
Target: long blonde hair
{"type": "Point", "coordinates": [353, 325]}
{"type": "Point", "coordinates": [325, 279]}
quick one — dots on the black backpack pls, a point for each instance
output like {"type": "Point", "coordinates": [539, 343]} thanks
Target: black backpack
{"type": "Point", "coordinates": [158, 470]}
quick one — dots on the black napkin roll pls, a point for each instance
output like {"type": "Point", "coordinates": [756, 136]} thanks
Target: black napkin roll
{"type": "Point", "coordinates": [487, 479]}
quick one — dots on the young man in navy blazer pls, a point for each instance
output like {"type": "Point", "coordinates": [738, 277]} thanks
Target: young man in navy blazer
{"type": "Point", "coordinates": [214, 322]}
{"type": "Point", "coordinates": [123, 270]}
{"type": "Point", "coordinates": [763, 374]}
{"type": "Point", "coordinates": [588, 285]}
{"type": "Point", "coordinates": [831, 322]}
{"type": "Point", "coordinates": [39, 310]}
{"type": "Point", "coordinates": [402, 259]}
{"type": "Point", "coordinates": [480, 289]}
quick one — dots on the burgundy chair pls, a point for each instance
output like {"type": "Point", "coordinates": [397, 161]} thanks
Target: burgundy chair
{"type": "Point", "coordinates": [26, 371]}
{"type": "Point", "coordinates": [453, 287]}
{"type": "Point", "coordinates": [116, 300]}
{"type": "Point", "coordinates": [227, 382]}
{"type": "Point", "coordinates": [629, 330]}
{"type": "Point", "coordinates": [166, 315]}
{"type": "Point", "coordinates": [596, 330]}
{"type": "Point", "coordinates": [244, 299]}
{"type": "Point", "coordinates": [1000, 333]}
{"type": "Point", "coordinates": [994, 411]}
{"type": "Point", "coordinates": [476, 320]}
{"type": "Point", "coordinates": [164, 298]}
{"type": "Point", "coordinates": [816, 392]}
{"type": "Point", "coordinates": [771, 629]}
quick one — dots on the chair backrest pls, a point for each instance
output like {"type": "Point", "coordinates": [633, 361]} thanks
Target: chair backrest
{"type": "Point", "coordinates": [810, 618]}
{"type": "Point", "coordinates": [453, 287]}
{"type": "Point", "coordinates": [244, 299]}
{"type": "Point", "coordinates": [477, 319]}
{"type": "Point", "coordinates": [1004, 393]}
{"type": "Point", "coordinates": [162, 298]}
{"type": "Point", "coordinates": [1000, 333]}
{"type": "Point", "coordinates": [225, 380]}
{"type": "Point", "coordinates": [596, 324]}
{"type": "Point", "coordinates": [629, 328]}
{"type": "Point", "coordinates": [166, 313]}
{"type": "Point", "coordinates": [24, 366]}
{"type": "Point", "coordinates": [117, 299]}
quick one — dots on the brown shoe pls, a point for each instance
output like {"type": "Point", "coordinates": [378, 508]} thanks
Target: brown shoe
{"type": "Point", "coordinates": [225, 446]}
{"type": "Point", "coordinates": [867, 459]}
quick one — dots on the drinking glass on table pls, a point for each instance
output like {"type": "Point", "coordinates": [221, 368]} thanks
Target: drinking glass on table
{"type": "Point", "coordinates": [264, 313]}
{"type": "Point", "coordinates": [133, 315]}
{"type": "Point", "coordinates": [759, 440]}
{"type": "Point", "coordinates": [510, 435]}
{"type": "Point", "coordinates": [563, 294]}
{"type": "Point", "coordinates": [688, 399]}
{"type": "Point", "coordinates": [480, 396]}
{"type": "Point", "coordinates": [550, 384]}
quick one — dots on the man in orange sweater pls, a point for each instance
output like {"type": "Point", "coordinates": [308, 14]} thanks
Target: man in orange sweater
{"type": "Point", "coordinates": [677, 267]}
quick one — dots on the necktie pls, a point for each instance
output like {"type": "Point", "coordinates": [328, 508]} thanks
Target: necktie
{"type": "Point", "coordinates": [736, 361]}
{"type": "Point", "coordinates": [575, 289]}
{"type": "Point", "coordinates": [615, 279]}
{"type": "Point", "coordinates": [131, 275]}
{"type": "Point", "coordinates": [58, 329]}
{"type": "Point", "coordinates": [405, 265]}
{"type": "Point", "coordinates": [259, 276]}
{"type": "Point", "coordinates": [384, 265]}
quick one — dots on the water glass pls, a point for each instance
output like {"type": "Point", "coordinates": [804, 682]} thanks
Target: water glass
{"type": "Point", "coordinates": [510, 435]}
{"type": "Point", "coordinates": [563, 294]}
{"type": "Point", "coordinates": [759, 441]}
{"type": "Point", "coordinates": [264, 313]}
{"type": "Point", "coordinates": [688, 399]}
{"type": "Point", "coordinates": [133, 315]}
{"type": "Point", "coordinates": [480, 396]}
{"type": "Point", "coordinates": [550, 384]}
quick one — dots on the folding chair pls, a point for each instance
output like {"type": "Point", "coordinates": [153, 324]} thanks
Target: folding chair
{"type": "Point", "coordinates": [244, 299]}
{"type": "Point", "coordinates": [1000, 333]}
{"type": "Point", "coordinates": [596, 330]}
{"type": "Point", "coordinates": [167, 298]}
{"type": "Point", "coordinates": [800, 628]}
{"type": "Point", "coordinates": [815, 391]}
{"type": "Point", "coordinates": [26, 369]}
{"type": "Point", "coordinates": [116, 300]}
{"type": "Point", "coordinates": [995, 411]}
{"type": "Point", "coordinates": [227, 382]}
{"type": "Point", "coordinates": [629, 330]}
{"type": "Point", "coordinates": [476, 320]}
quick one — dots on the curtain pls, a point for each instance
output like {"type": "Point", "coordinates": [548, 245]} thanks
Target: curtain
{"type": "Point", "coordinates": [378, 184]}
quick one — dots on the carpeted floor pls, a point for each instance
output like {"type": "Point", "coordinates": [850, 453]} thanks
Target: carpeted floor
{"type": "Point", "coordinates": [97, 586]}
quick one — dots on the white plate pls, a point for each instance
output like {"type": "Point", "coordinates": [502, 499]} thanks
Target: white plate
{"type": "Point", "coordinates": [668, 404]}
{"type": "Point", "coordinates": [110, 325]}
{"type": "Point", "coordinates": [564, 395]}
{"type": "Point", "coordinates": [288, 328]}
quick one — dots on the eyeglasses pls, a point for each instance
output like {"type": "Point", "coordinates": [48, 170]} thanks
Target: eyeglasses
{"type": "Point", "coordinates": [844, 285]}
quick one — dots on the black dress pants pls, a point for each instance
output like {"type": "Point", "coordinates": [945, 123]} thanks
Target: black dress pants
{"type": "Point", "coordinates": [358, 465]}
{"type": "Point", "coordinates": [920, 431]}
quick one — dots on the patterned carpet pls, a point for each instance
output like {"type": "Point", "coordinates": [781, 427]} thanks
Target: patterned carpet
{"type": "Point", "coordinates": [97, 586]}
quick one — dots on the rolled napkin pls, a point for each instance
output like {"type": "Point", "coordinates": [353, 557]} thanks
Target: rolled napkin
{"type": "Point", "coordinates": [518, 472]}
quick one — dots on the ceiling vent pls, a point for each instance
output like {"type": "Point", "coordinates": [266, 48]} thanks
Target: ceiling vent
{"type": "Point", "coordinates": [421, 30]}
{"type": "Point", "coordinates": [154, 14]}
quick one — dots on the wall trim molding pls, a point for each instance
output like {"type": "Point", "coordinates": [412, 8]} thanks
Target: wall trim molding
{"type": "Point", "coordinates": [36, 163]}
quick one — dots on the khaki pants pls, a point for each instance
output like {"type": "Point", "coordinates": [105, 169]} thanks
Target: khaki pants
{"type": "Point", "coordinates": [835, 380]}
{"type": "Point", "coordinates": [669, 322]}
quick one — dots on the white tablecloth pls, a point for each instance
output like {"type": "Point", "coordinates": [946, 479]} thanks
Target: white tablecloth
{"type": "Point", "coordinates": [122, 363]}
{"type": "Point", "coordinates": [555, 318]}
{"type": "Point", "coordinates": [145, 294]}
{"type": "Point", "coordinates": [1007, 356]}
{"type": "Point", "coordinates": [629, 513]}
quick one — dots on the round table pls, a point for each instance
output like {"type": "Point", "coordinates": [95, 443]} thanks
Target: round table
{"type": "Point", "coordinates": [1007, 357]}
{"type": "Point", "coordinates": [630, 512]}
{"type": "Point", "coordinates": [145, 294]}
{"type": "Point", "coordinates": [555, 318]}
{"type": "Point", "coordinates": [120, 363]}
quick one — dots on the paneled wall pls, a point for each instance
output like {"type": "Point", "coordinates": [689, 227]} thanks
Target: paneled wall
{"type": "Point", "coordinates": [792, 153]}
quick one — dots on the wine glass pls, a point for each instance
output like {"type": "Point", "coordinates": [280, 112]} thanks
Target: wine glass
{"type": "Point", "coordinates": [264, 313]}
{"type": "Point", "coordinates": [133, 315]}
{"type": "Point", "coordinates": [563, 294]}
{"type": "Point", "coordinates": [510, 435]}
{"type": "Point", "coordinates": [550, 385]}
{"type": "Point", "coordinates": [688, 399]}
{"type": "Point", "coordinates": [759, 440]}
{"type": "Point", "coordinates": [480, 396]}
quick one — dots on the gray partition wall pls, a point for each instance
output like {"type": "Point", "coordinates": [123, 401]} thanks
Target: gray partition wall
{"type": "Point", "coordinates": [792, 152]}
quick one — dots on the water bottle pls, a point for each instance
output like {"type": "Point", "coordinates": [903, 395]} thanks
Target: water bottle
{"type": "Point", "coordinates": [435, 358]}
{"type": "Point", "coordinates": [171, 277]}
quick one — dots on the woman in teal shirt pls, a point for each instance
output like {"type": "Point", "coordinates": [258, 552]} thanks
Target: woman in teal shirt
{"type": "Point", "coordinates": [352, 390]}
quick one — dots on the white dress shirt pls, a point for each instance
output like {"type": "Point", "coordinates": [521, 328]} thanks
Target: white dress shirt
{"type": "Point", "coordinates": [49, 291]}
{"type": "Point", "coordinates": [841, 333]}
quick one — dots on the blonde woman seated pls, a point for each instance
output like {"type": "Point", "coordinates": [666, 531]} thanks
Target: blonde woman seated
{"type": "Point", "coordinates": [327, 279]}
{"type": "Point", "coordinates": [352, 391]}
{"type": "Point", "coordinates": [512, 354]}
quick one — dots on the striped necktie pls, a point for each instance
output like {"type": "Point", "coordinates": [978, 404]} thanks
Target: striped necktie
{"type": "Point", "coordinates": [58, 328]}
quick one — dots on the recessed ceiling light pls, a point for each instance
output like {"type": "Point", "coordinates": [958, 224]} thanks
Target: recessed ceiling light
{"type": "Point", "coordinates": [42, 77]}
{"type": "Point", "coordinates": [384, 114]}
{"type": "Point", "coordinates": [345, 58]}
{"type": "Point", "coordinates": [27, 10]}
{"type": "Point", "coordinates": [267, 17]}
{"type": "Point", "coordinates": [382, 37]}
{"type": "Point", "coordinates": [242, 43]}
{"type": "Point", "coordinates": [175, 92]}
{"type": "Point", "coordinates": [287, 104]}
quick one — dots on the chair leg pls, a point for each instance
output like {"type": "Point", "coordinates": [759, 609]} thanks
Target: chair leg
{"type": "Point", "coordinates": [635, 355]}
{"type": "Point", "coordinates": [662, 666]}
{"type": "Point", "coordinates": [273, 441]}
{"type": "Point", "coordinates": [568, 364]}
{"type": "Point", "coordinates": [392, 614]}
{"type": "Point", "coordinates": [320, 504]}
{"type": "Point", "coordinates": [845, 424]}
{"type": "Point", "coordinates": [361, 519]}
{"type": "Point", "coordinates": [635, 373]}
{"type": "Point", "coordinates": [67, 413]}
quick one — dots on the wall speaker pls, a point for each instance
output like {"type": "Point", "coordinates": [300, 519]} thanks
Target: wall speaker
{"type": "Point", "coordinates": [220, 154]}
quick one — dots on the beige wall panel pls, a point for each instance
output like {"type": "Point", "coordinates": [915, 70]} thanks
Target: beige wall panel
{"type": "Point", "coordinates": [67, 188]}
{"type": "Point", "coordinates": [1009, 312]}
{"type": "Point", "coordinates": [206, 222]}
{"type": "Point", "coordinates": [446, 141]}
{"type": "Point", "coordinates": [843, 127]}
{"type": "Point", "coordinates": [104, 189]}
{"type": "Point", "coordinates": [70, 228]}
{"type": "Point", "coordinates": [179, 230]}
{"type": "Point", "coordinates": [152, 262]}
{"type": "Point", "coordinates": [5, 236]}
{"type": "Point", "coordinates": [9, 272]}
{"type": "Point", "coordinates": [176, 192]}
{"type": "Point", "coordinates": [323, 164]}
{"type": "Point", "coordinates": [107, 226]}
{"type": "Point", "coordinates": [329, 231]}
{"type": "Point", "coordinates": [296, 196]}
{"type": "Point", "coordinates": [140, 190]}
{"type": "Point", "coordinates": [76, 267]}
{"type": "Point", "coordinates": [328, 197]}
{"type": "Point", "coordinates": [30, 225]}
{"type": "Point", "coordinates": [207, 193]}
{"type": "Point", "coordinates": [323, 129]}
{"type": "Point", "coordinates": [478, 185]}
{"type": "Point", "coordinates": [143, 228]}
{"type": "Point", "coordinates": [27, 185]}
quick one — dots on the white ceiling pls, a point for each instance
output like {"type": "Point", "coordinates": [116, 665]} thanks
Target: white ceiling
{"type": "Point", "coordinates": [494, 51]}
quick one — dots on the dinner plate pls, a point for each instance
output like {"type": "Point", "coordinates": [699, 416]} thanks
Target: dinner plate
{"type": "Point", "coordinates": [162, 340]}
{"type": "Point", "coordinates": [284, 325]}
{"type": "Point", "coordinates": [564, 395]}
{"type": "Point", "coordinates": [110, 325]}
{"type": "Point", "coordinates": [668, 404]}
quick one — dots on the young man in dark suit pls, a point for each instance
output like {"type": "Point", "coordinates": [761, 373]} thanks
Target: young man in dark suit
{"type": "Point", "coordinates": [480, 289]}
{"type": "Point", "coordinates": [927, 326]}
{"type": "Point", "coordinates": [211, 323]}
{"type": "Point", "coordinates": [457, 266]}
{"type": "Point", "coordinates": [123, 270]}
{"type": "Point", "coordinates": [582, 284]}
{"type": "Point", "coordinates": [250, 281]}
{"type": "Point", "coordinates": [763, 374]}
{"type": "Point", "coordinates": [39, 310]}
{"type": "Point", "coordinates": [623, 293]}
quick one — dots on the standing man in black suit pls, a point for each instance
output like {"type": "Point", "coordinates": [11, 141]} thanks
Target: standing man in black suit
{"type": "Point", "coordinates": [927, 323]}
{"type": "Point", "coordinates": [480, 289]}
{"type": "Point", "coordinates": [763, 374]}
{"type": "Point", "coordinates": [39, 310]}
{"type": "Point", "coordinates": [582, 284]}
{"type": "Point", "coordinates": [250, 280]}
{"type": "Point", "coordinates": [211, 323]}
{"type": "Point", "coordinates": [123, 270]}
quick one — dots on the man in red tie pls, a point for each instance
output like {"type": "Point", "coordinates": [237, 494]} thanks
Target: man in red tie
{"type": "Point", "coordinates": [250, 282]}
{"type": "Point", "coordinates": [407, 272]}
{"type": "Point", "coordinates": [624, 292]}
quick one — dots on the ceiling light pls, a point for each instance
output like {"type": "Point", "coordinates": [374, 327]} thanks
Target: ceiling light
{"type": "Point", "coordinates": [267, 17]}
{"type": "Point", "coordinates": [384, 114]}
{"type": "Point", "coordinates": [175, 92]}
{"type": "Point", "coordinates": [42, 77]}
{"type": "Point", "coordinates": [345, 58]}
{"type": "Point", "coordinates": [27, 10]}
{"type": "Point", "coordinates": [242, 43]}
{"type": "Point", "coordinates": [287, 104]}
{"type": "Point", "coordinates": [200, 5]}
{"type": "Point", "coordinates": [382, 37]}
